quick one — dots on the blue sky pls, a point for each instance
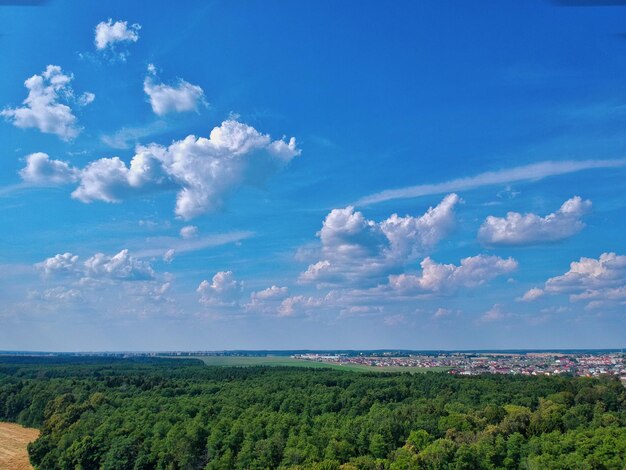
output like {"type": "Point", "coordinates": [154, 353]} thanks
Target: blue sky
{"type": "Point", "coordinates": [312, 175]}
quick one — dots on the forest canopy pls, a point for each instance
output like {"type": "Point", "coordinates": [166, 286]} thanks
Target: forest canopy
{"type": "Point", "coordinates": [143, 413]}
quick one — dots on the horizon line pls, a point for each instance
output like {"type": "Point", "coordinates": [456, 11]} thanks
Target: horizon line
{"type": "Point", "coordinates": [222, 351]}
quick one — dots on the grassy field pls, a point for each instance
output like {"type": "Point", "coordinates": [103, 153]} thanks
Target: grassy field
{"type": "Point", "coordinates": [244, 361]}
{"type": "Point", "coordinates": [13, 441]}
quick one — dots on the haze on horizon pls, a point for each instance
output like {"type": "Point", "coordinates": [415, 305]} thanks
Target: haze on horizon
{"type": "Point", "coordinates": [307, 175]}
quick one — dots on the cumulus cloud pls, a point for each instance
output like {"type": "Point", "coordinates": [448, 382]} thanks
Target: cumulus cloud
{"type": "Point", "coordinates": [530, 295]}
{"type": "Point", "coordinates": [121, 266]}
{"type": "Point", "coordinates": [299, 303]}
{"type": "Point", "coordinates": [110, 180]}
{"type": "Point", "coordinates": [441, 278]}
{"type": "Point", "coordinates": [268, 300]}
{"type": "Point", "coordinates": [109, 33]}
{"type": "Point", "coordinates": [271, 293]}
{"type": "Point", "coordinates": [203, 170]}
{"type": "Point", "coordinates": [445, 312]}
{"type": "Point", "coordinates": [598, 282]}
{"type": "Point", "coordinates": [316, 271]}
{"type": "Point", "coordinates": [65, 263]}
{"type": "Point", "coordinates": [189, 231]}
{"type": "Point", "coordinates": [59, 294]}
{"type": "Point", "coordinates": [110, 284]}
{"type": "Point", "coordinates": [41, 170]}
{"type": "Point", "coordinates": [588, 273]}
{"type": "Point", "coordinates": [223, 290]}
{"type": "Point", "coordinates": [355, 249]}
{"type": "Point", "coordinates": [46, 106]}
{"type": "Point", "coordinates": [495, 313]}
{"type": "Point", "coordinates": [528, 229]}
{"type": "Point", "coordinates": [164, 99]}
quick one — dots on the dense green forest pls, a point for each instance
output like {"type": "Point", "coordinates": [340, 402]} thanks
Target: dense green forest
{"type": "Point", "coordinates": [99, 413]}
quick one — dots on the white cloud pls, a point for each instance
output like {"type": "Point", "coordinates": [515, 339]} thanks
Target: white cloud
{"type": "Point", "coordinates": [108, 33]}
{"type": "Point", "coordinates": [110, 180]}
{"type": "Point", "coordinates": [394, 320]}
{"type": "Point", "coordinates": [442, 312]}
{"type": "Point", "coordinates": [316, 271]}
{"type": "Point", "coordinates": [127, 137]}
{"type": "Point", "coordinates": [609, 270]}
{"type": "Point", "coordinates": [357, 250]}
{"type": "Point", "coordinates": [441, 278]}
{"type": "Point", "coordinates": [116, 283]}
{"type": "Point", "coordinates": [271, 293]}
{"type": "Point", "coordinates": [46, 107]}
{"type": "Point", "coordinates": [530, 295]}
{"type": "Point", "coordinates": [159, 291]}
{"type": "Point", "coordinates": [157, 246]}
{"type": "Point", "coordinates": [353, 310]}
{"type": "Point", "coordinates": [298, 303]}
{"type": "Point", "coordinates": [347, 302]}
{"type": "Point", "coordinates": [110, 285]}
{"type": "Point", "coordinates": [223, 290]}
{"type": "Point", "coordinates": [495, 313]}
{"type": "Point", "coordinates": [527, 229]}
{"type": "Point", "coordinates": [268, 300]}
{"type": "Point", "coordinates": [166, 99]}
{"type": "Point", "coordinates": [41, 170]}
{"type": "Point", "coordinates": [202, 169]}
{"type": "Point", "coordinates": [597, 282]}
{"type": "Point", "coordinates": [121, 266]}
{"type": "Point", "coordinates": [189, 231]}
{"type": "Point", "coordinates": [611, 293]}
{"type": "Point", "coordinates": [555, 309]}
{"type": "Point", "coordinates": [59, 294]}
{"type": "Point", "coordinates": [532, 172]}
{"type": "Point", "coordinates": [168, 256]}
{"type": "Point", "coordinates": [65, 263]}
{"type": "Point", "coordinates": [410, 236]}
{"type": "Point", "coordinates": [86, 98]}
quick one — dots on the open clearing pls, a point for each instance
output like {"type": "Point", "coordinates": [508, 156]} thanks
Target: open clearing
{"type": "Point", "coordinates": [13, 441]}
{"type": "Point", "coordinates": [244, 361]}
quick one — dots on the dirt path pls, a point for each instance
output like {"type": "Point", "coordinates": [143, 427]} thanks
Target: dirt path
{"type": "Point", "coordinates": [13, 441]}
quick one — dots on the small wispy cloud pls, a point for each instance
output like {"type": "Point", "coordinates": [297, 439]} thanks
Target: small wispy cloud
{"type": "Point", "coordinates": [532, 172]}
{"type": "Point", "coordinates": [127, 137]}
{"type": "Point", "coordinates": [158, 246]}
{"type": "Point", "coordinates": [13, 188]}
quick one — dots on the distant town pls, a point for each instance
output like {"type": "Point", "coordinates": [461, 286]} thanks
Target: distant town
{"type": "Point", "coordinates": [581, 363]}
{"type": "Point", "coordinates": [460, 363]}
